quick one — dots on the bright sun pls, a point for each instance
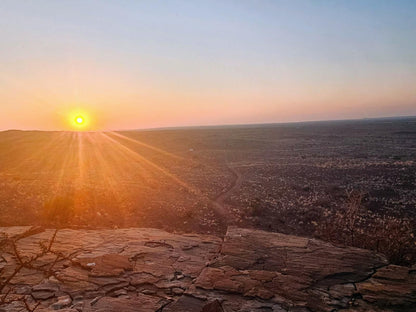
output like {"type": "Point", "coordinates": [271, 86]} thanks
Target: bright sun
{"type": "Point", "coordinates": [79, 120]}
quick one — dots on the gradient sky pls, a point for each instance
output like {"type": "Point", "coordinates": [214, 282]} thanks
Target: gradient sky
{"type": "Point", "coordinates": [138, 64]}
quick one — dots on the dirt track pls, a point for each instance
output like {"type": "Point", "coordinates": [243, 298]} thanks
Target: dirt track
{"type": "Point", "coordinates": [218, 203]}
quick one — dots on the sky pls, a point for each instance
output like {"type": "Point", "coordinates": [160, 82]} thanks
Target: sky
{"type": "Point", "coordinates": [144, 64]}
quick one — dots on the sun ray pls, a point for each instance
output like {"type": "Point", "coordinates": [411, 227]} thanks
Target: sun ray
{"type": "Point", "coordinates": [135, 155]}
{"type": "Point", "coordinates": [64, 180]}
{"type": "Point", "coordinates": [147, 145]}
{"type": "Point", "coordinates": [124, 165]}
{"type": "Point", "coordinates": [161, 151]}
{"type": "Point", "coordinates": [81, 160]}
{"type": "Point", "coordinates": [43, 171]}
{"type": "Point", "coordinates": [108, 179]}
{"type": "Point", "coordinates": [34, 161]}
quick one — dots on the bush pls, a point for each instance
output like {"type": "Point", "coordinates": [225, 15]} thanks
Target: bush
{"type": "Point", "coordinates": [355, 226]}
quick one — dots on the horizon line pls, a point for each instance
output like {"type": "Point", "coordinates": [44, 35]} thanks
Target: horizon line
{"type": "Point", "coordinates": [221, 125]}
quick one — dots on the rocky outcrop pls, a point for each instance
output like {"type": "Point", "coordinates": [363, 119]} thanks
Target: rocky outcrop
{"type": "Point", "coordinates": [152, 270]}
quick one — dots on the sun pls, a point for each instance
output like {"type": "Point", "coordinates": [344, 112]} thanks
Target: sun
{"type": "Point", "coordinates": [79, 120]}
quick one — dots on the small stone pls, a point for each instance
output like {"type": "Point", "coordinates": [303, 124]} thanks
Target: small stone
{"type": "Point", "coordinates": [148, 292]}
{"type": "Point", "coordinates": [53, 279]}
{"type": "Point", "coordinates": [177, 291]}
{"type": "Point", "coordinates": [63, 302]}
{"type": "Point", "coordinates": [42, 295]}
{"type": "Point", "coordinates": [120, 292]}
{"type": "Point", "coordinates": [78, 298]}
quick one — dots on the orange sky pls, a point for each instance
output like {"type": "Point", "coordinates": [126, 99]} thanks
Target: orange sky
{"type": "Point", "coordinates": [148, 65]}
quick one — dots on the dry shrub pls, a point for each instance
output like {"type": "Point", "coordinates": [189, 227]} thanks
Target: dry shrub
{"type": "Point", "coordinates": [395, 238]}
{"type": "Point", "coordinates": [255, 208]}
{"type": "Point", "coordinates": [355, 226]}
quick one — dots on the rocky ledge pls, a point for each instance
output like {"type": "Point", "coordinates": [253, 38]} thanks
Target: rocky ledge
{"type": "Point", "coordinates": [152, 270]}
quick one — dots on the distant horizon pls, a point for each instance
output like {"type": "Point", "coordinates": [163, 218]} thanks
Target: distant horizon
{"type": "Point", "coordinates": [400, 117]}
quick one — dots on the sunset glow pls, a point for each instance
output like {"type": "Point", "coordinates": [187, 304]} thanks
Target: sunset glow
{"type": "Point", "coordinates": [146, 65]}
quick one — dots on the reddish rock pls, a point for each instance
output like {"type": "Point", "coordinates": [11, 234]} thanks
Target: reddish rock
{"type": "Point", "coordinates": [149, 269]}
{"type": "Point", "coordinates": [142, 303]}
{"type": "Point", "coordinates": [214, 306]}
{"type": "Point", "coordinates": [106, 265]}
{"type": "Point", "coordinates": [390, 286]}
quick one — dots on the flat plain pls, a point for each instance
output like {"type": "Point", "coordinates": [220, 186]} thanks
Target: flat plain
{"type": "Point", "coordinates": [294, 178]}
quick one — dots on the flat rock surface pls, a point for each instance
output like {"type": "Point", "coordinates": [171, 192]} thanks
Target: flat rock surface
{"type": "Point", "coordinates": [153, 270]}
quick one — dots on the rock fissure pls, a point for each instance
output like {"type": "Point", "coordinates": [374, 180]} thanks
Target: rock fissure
{"type": "Point", "coordinates": [247, 270]}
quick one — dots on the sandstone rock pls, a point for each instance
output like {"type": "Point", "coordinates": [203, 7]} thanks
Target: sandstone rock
{"type": "Point", "coordinates": [42, 295]}
{"type": "Point", "coordinates": [214, 306]}
{"type": "Point", "coordinates": [106, 265]}
{"type": "Point", "coordinates": [152, 270]}
{"type": "Point", "coordinates": [120, 292]}
{"type": "Point", "coordinates": [390, 286]}
{"type": "Point", "coordinates": [140, 302]}
{"type": "Point", "coordinates": [177, 291]}
{"type": "Point", "coordinates": [185, 304]}
{"type": "Point", "coordinates": [63, 302]}
{"type": "Point", "coordinates": [44, 290]}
